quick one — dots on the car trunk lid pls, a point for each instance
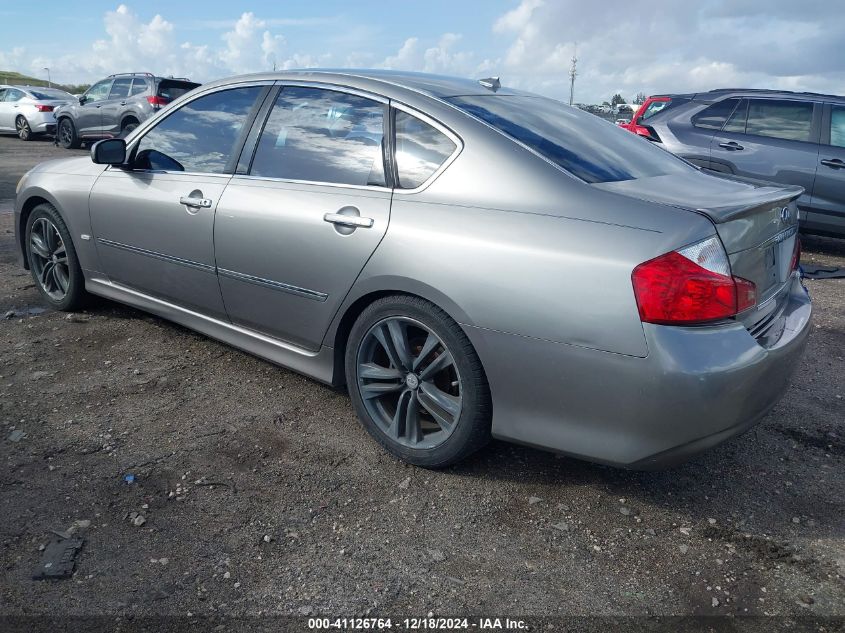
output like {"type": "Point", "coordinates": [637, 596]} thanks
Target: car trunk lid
{"type": "Point", "coordinates": [757, 222]}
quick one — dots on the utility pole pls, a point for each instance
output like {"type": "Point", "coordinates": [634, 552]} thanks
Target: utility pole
{"type": "Point", "coordinates": [572, 73]}
{"type": "Point", "coordinates": [49, 82]}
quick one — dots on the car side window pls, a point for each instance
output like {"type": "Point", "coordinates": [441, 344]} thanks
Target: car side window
{"type": "Point", "coordinates": [738, 119]}
{"type": "Point", "coordinates": [420, 150]}
{"type": "Point", "coordinates": [322, 135]}
{"type": "Point", "coordinates": [200, 136]}
{"type": "Point", "coordinates": [98, 91]}
{"type": "Point", "coordinates": [714, 116]}
{"type": "Point", "coordinates": [138, 86]}
{"type": "Point", "coordinates": [120, 88]}
{"type": "Point", "coordinates": [788, 120]}
{"type": "Point", "coordinates": [13, 94]}
{"type": "Point", "coordinates": [837, 126]}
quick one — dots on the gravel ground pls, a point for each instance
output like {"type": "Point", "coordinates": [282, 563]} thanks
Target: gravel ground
{"type": "Point", "coordinates": [256, 491]}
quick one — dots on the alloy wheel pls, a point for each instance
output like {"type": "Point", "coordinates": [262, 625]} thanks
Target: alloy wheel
{"type": "Point", "coordinates": [49, 258]}
{"type": "Point", "coordinates": [66, 133]}
{"type": "Point", "coordinates": [409, 382]}
{"type": "Point", "coordinates": [23, 129]}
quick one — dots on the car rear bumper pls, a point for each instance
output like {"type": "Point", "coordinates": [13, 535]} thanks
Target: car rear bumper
{"type": "Point", "coordinates": [42, 122]}
{"type": "Point", "coordinates": [697, 387]}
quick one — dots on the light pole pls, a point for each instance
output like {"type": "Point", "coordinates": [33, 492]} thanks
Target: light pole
{"type": "Point", "coordinates": [49, 82]}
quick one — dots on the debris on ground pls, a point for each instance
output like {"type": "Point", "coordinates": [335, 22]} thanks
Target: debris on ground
{"type": "Point", "coordinates": [59, 558]}
{"type": "Point", "coordinates": [16, 436]}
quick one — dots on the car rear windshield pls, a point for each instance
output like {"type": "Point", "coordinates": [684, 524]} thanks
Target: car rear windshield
{"type": "Point", "coordinates": [173, 89]}
{"type": "Point", "coordinates": [47, 93]}
{"type": "Point", "coordinates": [581, 143]}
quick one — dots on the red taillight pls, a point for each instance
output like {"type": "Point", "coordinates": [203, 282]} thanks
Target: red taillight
{"type": "Point", "coordinates": [689, 286]}
{"type": "Point", "coordinates": [157, 101]}
{"type": "Point", "coordinates": [796, 254]}
{"type": "Point", "coordinates": [43, 108]}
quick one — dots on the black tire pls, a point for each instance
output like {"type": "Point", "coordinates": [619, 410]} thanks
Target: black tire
{"type": "Point", "coordinates": [74, 295]}
{"type": "Point", "coordinates": [127, 127]}
{"type": "Point", "coordinates": [23, 129]}
{"type": "Point", "coordinates": [471, 431]}
{"type": "Point", "coordinates": [66, 133]}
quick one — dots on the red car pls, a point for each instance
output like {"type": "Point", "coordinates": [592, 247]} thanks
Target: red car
{"type": "Point", "coordinates": [650, 107]}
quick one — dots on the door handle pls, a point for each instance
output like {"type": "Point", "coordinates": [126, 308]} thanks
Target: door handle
{"type": "Point", "coordinates": [348, 220]}
{"type": "Point", "coordinates": [833, 162]}
{"type": "Point", "coordinates": [732, 145]}
{"type": "Point", "coordinates": [188, 201]}
{"type": "Point", "coordinates": [123, 103]}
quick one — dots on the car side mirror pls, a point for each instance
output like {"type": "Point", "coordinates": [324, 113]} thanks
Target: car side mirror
{"type": "Point", "coordinates": [82, 99]}
{"type": "Point", "coordinates": [110, 151]}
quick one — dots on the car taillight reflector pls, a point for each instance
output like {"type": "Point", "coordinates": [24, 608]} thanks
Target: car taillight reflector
{"type": "Point", "coordinates": [157, 101]}
{"type": "Point", "coordinates": [44, 108]}
{"type": "Point", "coordinates": [796, 254]}
{"type": "Point", "coordinates": [691, 285]}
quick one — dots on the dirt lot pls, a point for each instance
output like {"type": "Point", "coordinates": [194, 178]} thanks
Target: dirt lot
{"type": "Point", "coordinates": [260, 492]}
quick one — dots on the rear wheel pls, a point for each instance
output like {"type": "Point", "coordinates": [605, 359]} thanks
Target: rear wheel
{"type": "Point", "coordinates": [52, 259]}
{"type": "Point", "coordinates": [23, 129]}
{"type": "Point", "coordinates": [67, 134]}
{"type": "Point", "coordinates": [416, 382]}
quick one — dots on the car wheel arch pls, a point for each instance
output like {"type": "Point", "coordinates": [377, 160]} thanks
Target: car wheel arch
{"type": "Point", "coordinates": [338, 333]}
{"type": "Point", "coordinates": [32, 201]}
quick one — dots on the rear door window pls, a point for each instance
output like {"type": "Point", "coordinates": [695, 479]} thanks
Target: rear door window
{"type": "Point", "coordinates": [420, 150]}
{"type": "Point", "coordinates": [738, 119]}
{"type": "Point", "coordinates": [788, 120]}
{"type": "Point", "coordinates": [714, 116]}
{"type": "Point", "coordinates": [322, 135]}
{"type": "Point", "coordinates": [201, 136]}
{"type": "Point", "coordinates": [13, 94]}
{"type": "Point", "coordinates": [837, 126]}
{"type": "Point", "coordinates": [120, 88]}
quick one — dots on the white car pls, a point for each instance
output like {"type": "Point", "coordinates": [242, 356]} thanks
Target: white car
{"type": "Point", "coordinates": [28, 110]}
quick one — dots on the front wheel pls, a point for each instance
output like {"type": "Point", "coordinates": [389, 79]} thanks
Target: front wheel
{"type": "Point", "coordinates": [23, 129]}
{"type": "Point", "coordinates": [67, 134]}
{"type": "Point", "coordinates": [416, 382]}
{"type": "Point", "coordinates": [52, 259]}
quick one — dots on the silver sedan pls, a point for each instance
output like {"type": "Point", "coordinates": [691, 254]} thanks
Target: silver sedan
{"type": "Point", "coordinates": [468, 260]}
{"type": "Point", "coordinates": [28, 110]}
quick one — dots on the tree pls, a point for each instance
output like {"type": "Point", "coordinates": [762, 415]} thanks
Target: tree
{"type": "Point", "coordinates": [641, 97]}
{"type": "Point", "coordinates": [617, 99]}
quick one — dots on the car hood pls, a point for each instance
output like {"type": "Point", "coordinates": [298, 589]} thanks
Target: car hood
{"type": "Point", "coordinates": [78, 165]}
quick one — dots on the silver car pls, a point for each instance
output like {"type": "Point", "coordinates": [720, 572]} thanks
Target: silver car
{"type": "Point", "coordinates": [29, 110]}
{"type": "Point", "coordinates": [470, 261]}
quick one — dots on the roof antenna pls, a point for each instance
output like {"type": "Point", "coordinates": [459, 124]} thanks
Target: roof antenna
{"type": "Point", "coordinates": [492, 83]}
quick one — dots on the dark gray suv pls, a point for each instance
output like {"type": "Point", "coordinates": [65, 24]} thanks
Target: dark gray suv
{"type": "Point", "coordinates": [115, 106]}
{"type": "Point", "coordinates": [785, 137]}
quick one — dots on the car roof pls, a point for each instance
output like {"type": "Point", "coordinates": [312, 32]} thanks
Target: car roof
{"type": "Point", "coordinates": [438, 86]}
{"type": "Point", "coordinates": [712, 95]}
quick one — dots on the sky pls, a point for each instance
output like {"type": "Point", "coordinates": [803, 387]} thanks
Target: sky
{"type": "Point", "coordinates": [622, 46]}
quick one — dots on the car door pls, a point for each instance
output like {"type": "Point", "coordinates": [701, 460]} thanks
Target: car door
{"type": "Point", "coordinates": [771, 139]}
{"type": "Point", "coordinates": [112, 106]}
{"type": "Point", "coordinates": [154, 220]}
{"type": "Point", "coordinates": [10, 107]}
{"type": "Point", "coordinates": [89, 120]}
{"type": "Point", "coordinates": [294, 230]}
{"type": "Point", "coordinates": [828, 206]}
{"type": "Point", "coordinates": [5, 110]}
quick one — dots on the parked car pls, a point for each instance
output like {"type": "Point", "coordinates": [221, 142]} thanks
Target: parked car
{"type": "Point", "coordinates": [649, 108]}
{"type": "Point", "coordinates": [467, 260]}
{"type": "Point", "coordinates": [28, 110]}
{"type": "Point", "coordinates": [792, 138]}
{"type": "Point", "coordinates": [115, 106]}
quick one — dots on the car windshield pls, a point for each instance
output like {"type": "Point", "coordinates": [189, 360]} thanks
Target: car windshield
{"type": "Point", "coordinates": [49, 93]}
{"type": "Point", "coordinates": [653, 108]}
{"type": "Point", "coordinates": [581, 143]}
